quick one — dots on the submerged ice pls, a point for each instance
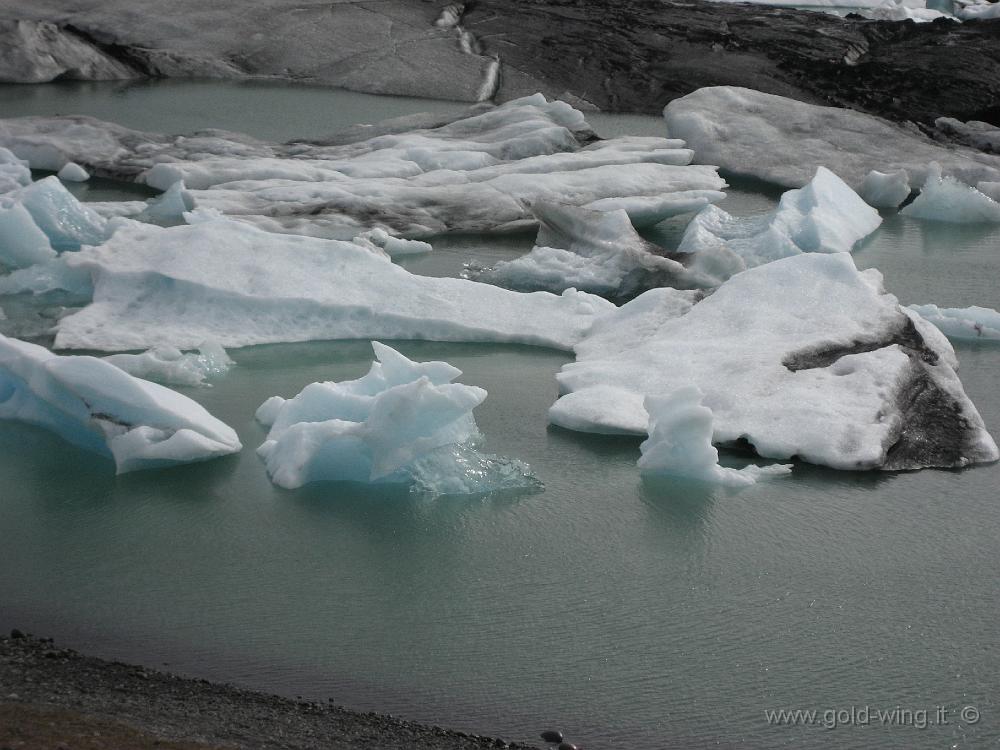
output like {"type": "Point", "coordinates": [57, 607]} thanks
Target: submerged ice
{"type": "Point", "coordinates": [171, 366]}
{"type": "Point", "coordinates": [403, 422]}
{"type": "Point", "coordinates": [95, 405]}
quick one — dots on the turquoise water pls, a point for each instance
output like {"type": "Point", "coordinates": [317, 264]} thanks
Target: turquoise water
{"type": "Point", "coordinates": [626, 612]}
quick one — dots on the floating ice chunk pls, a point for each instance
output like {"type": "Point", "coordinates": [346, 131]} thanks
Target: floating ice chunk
{"type": "Point", "coordinates": [962, 323]}
{"type": "Point", "coordinates": [68, 223]}
{"type": "Point", "coordinates": [403, 422]}
{"type": "Point", "coordinates": [172, 205]}
{"type": "Point", "coordinates": [680, 442]}
{"type": "Point", "coordinates": [883, 190]}
{"type": "Point", "coordinates": [73, 172]}
{"type": "Point", "coordinates": [783, 141]}
{"type": "Point", "coordinates": [593, 251]}
{"type": "Point", "coordinates": [22, 243]}
{"type": "Point", "coordinates": [805, 356]}
{"type": "Point", "coordinates": [165, 364]}
{"type": "Point", "coordinates": [230, 282]}
{"type": "Point", "coordinates": [93, 404]}
{"type": "Point", "coordinates": [14, 172]}
{"type": "Point", "coordinates": [394, 246]}
{"type": "Point", "coordinates": [946, 199]}
{"type": "Point", "coordinates": [825, 216]}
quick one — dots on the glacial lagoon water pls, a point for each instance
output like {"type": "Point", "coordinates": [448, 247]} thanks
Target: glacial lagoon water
{"type": "Point", "coordinates": [626, 612]}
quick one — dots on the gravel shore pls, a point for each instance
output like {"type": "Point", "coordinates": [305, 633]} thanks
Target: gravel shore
{"type": "Point", "coordinates": [53, 698]}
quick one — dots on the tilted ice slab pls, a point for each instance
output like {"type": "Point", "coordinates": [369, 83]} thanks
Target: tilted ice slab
{"type": "Point", "coordinates": [783, 141]}
{"type": "Point", "coordinates": [42, 219]}
{"type": "Point", "coordinates": [680, 442]}
{"type": "Point", "coordinates": [593, 251]}
{"type": "Point", "coordinates": [946, 199]}
{"type": "Point", "coordinates": [825, 216]}
{"type": "Point", "coordinates": [171, 366]}
{"type": "Point", "coordinates": [403, 422]}
{"type": "Point", "coordinates": [977, 323]}
{"type": "Point", "coordinates": [238, 285]}
{"type": "Point", "coordinates": [804, 357]}
{"type": "Point", "coordinates": [93, 404]}
{"type": "Point", "coordinates": [479, 173]}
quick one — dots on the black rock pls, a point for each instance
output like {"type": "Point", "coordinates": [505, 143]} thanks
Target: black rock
{"type": "Point", "coordinates": [567, 746]}
{"type": "Point", "coordinates": [638, 55]}
{"type": "Point", "coordinates": [552, 735]}
{"type": "Point", "coordinates": [15, 633]}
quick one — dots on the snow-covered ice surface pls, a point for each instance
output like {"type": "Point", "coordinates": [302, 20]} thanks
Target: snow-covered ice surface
{"type": "Point", "coordinates": [479, 173]}
{"type": "Point", "coordinates": [976, 323]}
{"type": "Point", "coordinates": [238, 285]}
{"type": "Point", "coordinates": [165, 364]}
{"type": "Point", "coordinates": [783, 141]}
{"type": "Point", "coordinates": [594, 251]}
{"type": "Point", "coordinates": [944, 198]}
{"type": "Point", "coordinates": [680, 442]}
{"type": "Point", "coordinates": [97, 406]}
{"type": "Point", "coordinates": [403, 422]}
{"type": "Point", "coordinates": [805, 356]}
{"type": "Point", "coordinates": [825, 216]}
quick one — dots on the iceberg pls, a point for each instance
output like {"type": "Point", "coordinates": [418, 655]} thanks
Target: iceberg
{"type": "Point", "coordinates": [976, 323]}
{"type": "Point", "coordinates": [394, 247]}
{"type": "Point", "coordinates": [593, 251]}
{"type": "Point", "coordinates": [885, 190]}
{"type": "Point", "coordinates": [478, 173]}
{"type": "Point", "coordinates": [825, 216]}
{"type": "Point", "coordinates": [403, 422]}
{"type": "Point", "coordinates": [73, 172]}
{"type": "Point", "coordinates": [946, 199]}
{"type": "Point", "coordinates": [230, 282]}
{"type": "Point", "coordinates": [680, 443]}
{"type": "Point", "coordinates": [165, 364]}
{"type": "Point", "coordinates": [95, 405]}
{"type": "Point", "coordinates": [783, 141]}
{"type": "Point", "coordinates": [804, 357]}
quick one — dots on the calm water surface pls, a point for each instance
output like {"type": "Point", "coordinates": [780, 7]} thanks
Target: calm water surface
{"type": "Point", "coordinates": [627, 612]}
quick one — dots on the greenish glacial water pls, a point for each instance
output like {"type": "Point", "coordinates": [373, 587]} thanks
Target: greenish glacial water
{"type": "Point", "coordinates": [629, 613]}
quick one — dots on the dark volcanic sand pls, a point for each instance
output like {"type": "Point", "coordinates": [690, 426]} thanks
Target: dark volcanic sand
{"type": "Point", "coordinates": [54, 698]}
